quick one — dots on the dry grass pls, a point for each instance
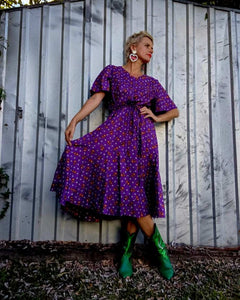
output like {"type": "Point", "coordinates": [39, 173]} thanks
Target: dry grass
{"type": "Point", "coordinates": [74, 271]}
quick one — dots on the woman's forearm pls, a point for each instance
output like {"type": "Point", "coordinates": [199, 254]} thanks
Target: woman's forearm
{"type": "Point", "coordinates": [89, 106]}
{"type": "Point", "coordinates": [168, 116]}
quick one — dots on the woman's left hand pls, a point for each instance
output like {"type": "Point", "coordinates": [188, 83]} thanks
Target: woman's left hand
{"type": "Point", "coordinates": [147, 113]}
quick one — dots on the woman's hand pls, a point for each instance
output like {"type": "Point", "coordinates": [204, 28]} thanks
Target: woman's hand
{"type": "Point", "coordinates": [89, 106]}
{"type": "Point", "coordinates": [147, 113]}
{"type": "Point", "coordinates": [69, 132]}
{"type": "Point", "coordinates": [167, 116]}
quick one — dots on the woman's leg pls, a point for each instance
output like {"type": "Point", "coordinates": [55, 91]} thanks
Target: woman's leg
{"type": "Point", "coordinates": [132, 227]}
{"type": "Point", "coordinates": [147, 225]}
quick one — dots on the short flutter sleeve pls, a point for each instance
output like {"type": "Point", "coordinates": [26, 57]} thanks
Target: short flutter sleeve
{"type": "Point", "coordinates": [161, 102]}
{"type": "Point", "coordinates": [103, 81]}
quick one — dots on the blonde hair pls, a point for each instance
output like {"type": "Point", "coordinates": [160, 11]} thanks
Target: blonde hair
{"type": "Point", "coordinates": [134, 39]}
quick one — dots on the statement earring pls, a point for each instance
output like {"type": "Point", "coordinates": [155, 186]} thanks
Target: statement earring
{"type": "Point", "coordinates": [133, 56]}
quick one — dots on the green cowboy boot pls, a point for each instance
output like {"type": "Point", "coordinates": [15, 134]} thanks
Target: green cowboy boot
{"type": "Point", "coordinates": [125, 269]}
{"type": "Point", "coordinates": [165, 267]}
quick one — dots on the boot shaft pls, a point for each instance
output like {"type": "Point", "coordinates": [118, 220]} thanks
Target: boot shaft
{"type": "Point", "coordinates": [157, 239]}
{"type": "Point", "coordinates": [129, 243]}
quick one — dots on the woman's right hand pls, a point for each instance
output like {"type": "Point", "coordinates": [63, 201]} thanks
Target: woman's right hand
{"type": "Point", "coordinates": [69, 132]}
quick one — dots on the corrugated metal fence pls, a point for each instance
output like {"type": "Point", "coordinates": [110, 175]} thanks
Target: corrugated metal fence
{"type": "Point", "coordinates": [53, 54]}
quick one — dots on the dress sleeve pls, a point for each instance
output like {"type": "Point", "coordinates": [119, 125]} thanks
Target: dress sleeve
{"type": "Point", "coordinates": [103, 81]}
{"type": "Point", "coordinates": [162, 102]}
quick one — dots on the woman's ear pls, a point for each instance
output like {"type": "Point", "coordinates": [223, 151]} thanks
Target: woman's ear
{"type": "Point", "coordinates": [133, 47]}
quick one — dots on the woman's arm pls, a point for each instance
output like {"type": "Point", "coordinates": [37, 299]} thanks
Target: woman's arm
{"type": "Point", "coordinates": [168, 116]}
{"type": "Point", "coordinates": [89, 106]}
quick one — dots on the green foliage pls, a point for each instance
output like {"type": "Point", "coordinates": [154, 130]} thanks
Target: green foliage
{"type": "Point", "coordinates": [4, 192]}
{"type": "Point", "coordinates": [16, 3]}
{"type": "Point", "coordinates": [2, 44]}
{"type": "Point", "coordinates": [9, 3]}
{"type": "Point", "coordinates": [2, 96]}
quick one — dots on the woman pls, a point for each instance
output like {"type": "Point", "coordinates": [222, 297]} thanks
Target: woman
{"type": "Point", "coordinates": [113, 171]}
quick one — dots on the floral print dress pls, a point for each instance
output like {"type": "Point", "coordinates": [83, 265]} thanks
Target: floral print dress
{"type": "Point", "coordinates": [113, 171]}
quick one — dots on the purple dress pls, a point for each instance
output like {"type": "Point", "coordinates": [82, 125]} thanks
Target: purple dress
{"type": "Point", "coordinates": [114, 170]}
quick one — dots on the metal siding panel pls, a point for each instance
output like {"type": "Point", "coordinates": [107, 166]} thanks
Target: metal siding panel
{"type": "Point", "coordinates": [223, 138]}
{"type": "Point", "coordinates": [29, 78]}
{"type": "Point", "coordinates": [235, 43]}
{"type": "Point", "coordinates": [194, 228]}
{"type": "Point", "coordinates": [203, 142]}
{"type": "Point", "coordinates": [83, 232]}
{"type": "Point", "coordinates": [67, 227]}
{"type": "Point", "coordinates": [135, 16]}
{"type": "Point", "coordinates": [8, 133]}
{"type": "Point", "coordinates": [51, 76]}
{"type": "Point", "coordinates": [3, 35]}
{"type": "Point", "coordinates": [192, 60]}
{"type": "Point", "coordinates": [111, 231]}
{"type": "Point", "coordinates": [169, 85]}
{"type": "Point", "coordinates": [96, 50]}
{"type": "Point", "coordinates": [97, 54]}
{"type": "Point", "coordinates": [114, 37]}
{"type": "Point", "coordinates": [180, 213]}
{"type": "Point", "coordinates": [41, 123]}
{"type": "Point", "coordinates": [5, 222]}
{"type": "Point", "coordinates": [86, 62]}
{"type": "Point", "coordinates": [158, 70]}
{"type": "Point", "coordinates": [117, 33]}
{"type": "Point", "coordinates": [17, 220]}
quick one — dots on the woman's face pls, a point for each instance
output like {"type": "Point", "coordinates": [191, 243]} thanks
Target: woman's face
{"type": "Point", "coordinates": [144, 49]}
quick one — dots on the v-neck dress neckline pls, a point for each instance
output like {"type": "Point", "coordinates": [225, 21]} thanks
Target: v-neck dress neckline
{"type": "Point", "coordinates": [143, 75]}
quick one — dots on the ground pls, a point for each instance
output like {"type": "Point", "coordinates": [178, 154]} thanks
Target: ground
{"type": "Point", "coordinates": [70, 270]}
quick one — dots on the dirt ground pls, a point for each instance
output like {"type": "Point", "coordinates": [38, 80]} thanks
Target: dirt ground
{"type": "Point", "coordinates": [70, 270]}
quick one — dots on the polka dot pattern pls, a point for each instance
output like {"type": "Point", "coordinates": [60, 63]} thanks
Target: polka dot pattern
{"type": "Point", "coordinates": [114, 170]}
